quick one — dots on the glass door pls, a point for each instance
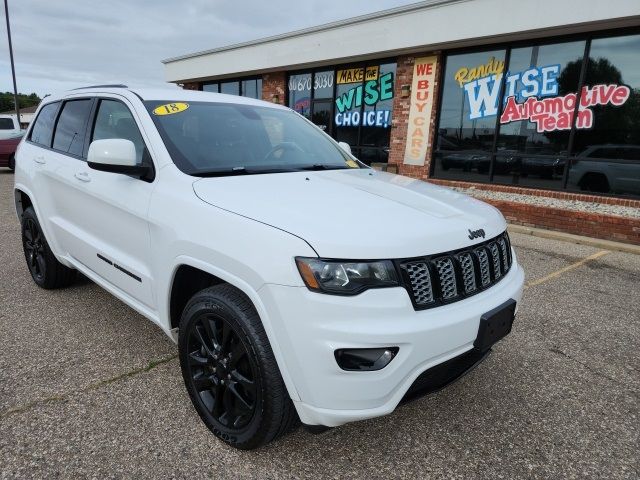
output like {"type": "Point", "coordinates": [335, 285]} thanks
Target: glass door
{"type": "Point", "coordinates": [322, 115]}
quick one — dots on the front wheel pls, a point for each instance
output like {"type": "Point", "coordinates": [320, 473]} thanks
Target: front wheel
{"type": "Point", "coordinates": [12, 163]}
{"type": "Point", "coordinates": [230, 371]}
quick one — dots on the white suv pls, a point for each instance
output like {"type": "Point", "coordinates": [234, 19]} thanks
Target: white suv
{"type": "Point", "coordinates": [297, 282]}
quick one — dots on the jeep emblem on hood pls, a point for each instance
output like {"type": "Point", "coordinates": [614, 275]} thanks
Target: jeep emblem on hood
{"type": "Point", "coordinates": [475, 234]}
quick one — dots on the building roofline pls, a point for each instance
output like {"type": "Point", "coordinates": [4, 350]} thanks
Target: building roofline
{"type": "Point", "coordinates": [319, 28]}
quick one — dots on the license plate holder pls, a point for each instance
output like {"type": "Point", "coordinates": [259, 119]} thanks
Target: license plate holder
{"type": "Point", "coordinates": [495, 325]}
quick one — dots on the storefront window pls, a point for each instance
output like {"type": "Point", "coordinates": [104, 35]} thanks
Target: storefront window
{"type": "Point", "coordinates": [323, 84]}
{"type": "Point", "coordinates": [300, 94]}
{"type": "Point", "coordinates": [376, 118]}
{"type": "Point", "coordinates": [533, 153]}
{"type": "Point", "coordinates": [468, 111]}
{"type": "Point", "coordinates": [607, 146]}
{"type": "Point", "coordinates": [251, 88]}
{"type": "Point", "coordinates": [363, 109]}
{"type": "Point", "coordinates": [540, 108]}
{"type": "Point", "coordinates": [230, 88]}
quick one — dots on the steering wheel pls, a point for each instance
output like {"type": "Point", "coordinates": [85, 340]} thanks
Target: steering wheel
{"type": "Point", "coordinates": [282, 146]}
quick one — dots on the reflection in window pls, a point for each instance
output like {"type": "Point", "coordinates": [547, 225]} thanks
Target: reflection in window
{"type": "Point", "coordinates": [468, 115]}
{"type": "Point", "coordinates": [525, 155]}
{"type": "Point", "coordinates": [607, 155]}
{"type": "Point", "coordinates": [210, 87]}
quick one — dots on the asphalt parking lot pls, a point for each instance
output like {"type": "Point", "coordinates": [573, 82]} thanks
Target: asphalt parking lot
{"type": "Point", "coordinates": [89, 388]}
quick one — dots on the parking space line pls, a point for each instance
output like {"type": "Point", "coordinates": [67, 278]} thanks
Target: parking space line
{"type": "Point", "coordinates": [568, 268]}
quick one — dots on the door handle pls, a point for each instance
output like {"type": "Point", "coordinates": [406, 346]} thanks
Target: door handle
{"type": "Point", "coordinates": [83, 176]}
{"type": "Point", "coordinates": [40, 160]}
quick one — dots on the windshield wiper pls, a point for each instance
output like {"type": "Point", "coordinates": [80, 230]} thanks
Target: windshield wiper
{"type": "Point", "coordinates": [323, 166]}
{"type": "Point", "coordinates": [227, 172]}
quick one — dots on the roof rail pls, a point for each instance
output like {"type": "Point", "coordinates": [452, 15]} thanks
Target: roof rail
{"type": "Point", "coordinates": [115, 85]}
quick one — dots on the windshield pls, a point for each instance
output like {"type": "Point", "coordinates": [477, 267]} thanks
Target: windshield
{"type": "Point", "coordinates": [206, 139]}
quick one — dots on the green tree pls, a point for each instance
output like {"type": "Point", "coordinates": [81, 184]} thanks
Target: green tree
{"type": "Point", "coordinates": [24, 100]}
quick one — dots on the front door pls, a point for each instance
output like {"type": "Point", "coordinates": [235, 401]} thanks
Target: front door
{"type": "Point", "coordinates": [106, 213]}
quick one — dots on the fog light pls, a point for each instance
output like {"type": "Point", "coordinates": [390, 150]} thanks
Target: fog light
{"type": "Point", "coordinates": [365, 359]}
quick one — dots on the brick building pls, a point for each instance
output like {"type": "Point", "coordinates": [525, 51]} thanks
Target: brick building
{"type": "Point", "coordinates": [535, 108]}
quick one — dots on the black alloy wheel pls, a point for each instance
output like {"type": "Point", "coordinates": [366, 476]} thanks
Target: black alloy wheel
{"type": "Point", "coordinates": [34, 249]}
{"type": "Point", "coordinates": [222, 372]}
{"type": "Point", "coordinates": [230, 371]}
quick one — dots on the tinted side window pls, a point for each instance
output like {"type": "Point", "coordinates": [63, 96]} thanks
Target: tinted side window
{"type": "Point", "coordinates": [72, 126]}
{"type": "Point", "coordinates": [43, 128]}
{"type": "Point", "coordinates": [6, 124]}
{"type": "Point", "coordinates": [114, 120]}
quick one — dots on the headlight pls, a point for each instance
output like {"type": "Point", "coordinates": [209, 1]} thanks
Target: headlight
{"type": "Point", "coordinates": [346, 278]}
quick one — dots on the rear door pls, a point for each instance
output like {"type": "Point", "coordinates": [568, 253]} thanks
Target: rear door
{"type": "Point", "coordinates": [35, 159]}
{"type": "Point", "coordinates": [105, 214]}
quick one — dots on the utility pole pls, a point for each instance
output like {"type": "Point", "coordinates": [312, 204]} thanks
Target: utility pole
{"type": "Point", "coordinates": [13, 69]}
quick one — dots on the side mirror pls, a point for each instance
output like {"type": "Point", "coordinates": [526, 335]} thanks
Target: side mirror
{"type": "Point", "coordinates": [345, 146]}
{"type": "Point", "coordinates": [115, 155]}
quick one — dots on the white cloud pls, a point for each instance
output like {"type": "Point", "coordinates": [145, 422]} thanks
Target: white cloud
{"type": "Point", "coordinates": [64, 44]}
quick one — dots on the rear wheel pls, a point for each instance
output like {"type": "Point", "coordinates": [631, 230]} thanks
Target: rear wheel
{"type": "Point", "coordinates": [12, 163]}
{"type": "Point", "coordinates": [45, 269]}
{"type": "Point", "coordinates": [230, 371]}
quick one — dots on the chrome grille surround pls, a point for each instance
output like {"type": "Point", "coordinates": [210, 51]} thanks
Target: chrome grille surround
{"type": "Point", "coordinates": [451, 276]}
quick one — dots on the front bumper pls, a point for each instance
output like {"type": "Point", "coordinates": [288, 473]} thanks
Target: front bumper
{"type": "Point", "coordinates": [310, 326]}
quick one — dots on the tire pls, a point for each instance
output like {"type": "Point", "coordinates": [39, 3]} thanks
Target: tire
{"type": "Point", "coordinates": [12, 163]}
{"type": "Point", "coordinates": [230, 372]}
{"type": "Point", "coordinates": [45, 269]}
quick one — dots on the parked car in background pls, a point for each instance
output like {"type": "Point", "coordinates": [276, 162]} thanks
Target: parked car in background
{"type": "Point", "coordinates": [464, 160]}
{"type": "Point", "coordinates": [8, 148]}
{"type": "Point", "coordinates": [607, 168]}
{"type": "Point", "coordinates": [9, 126]}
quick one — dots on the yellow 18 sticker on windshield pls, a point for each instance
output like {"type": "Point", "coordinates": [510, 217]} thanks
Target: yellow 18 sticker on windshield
{"type": "Point", "coordinates": [352, 164]}
{"type": "Point", "coordinates": [170, 108]}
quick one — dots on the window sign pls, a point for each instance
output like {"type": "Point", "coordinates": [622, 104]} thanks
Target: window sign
{"type": "Point", "coordinates": [424, 73]}
{"type": "Point", "coordinates": [357, 75]}
{"type": "Point", "coordinates": [323, 84]}
{"type": "Point", "coordinates": [552, 131]}
{"type": "Point", "coordinates": [351, 97]}
{"type": "Point", "coordinates": [532, 95]}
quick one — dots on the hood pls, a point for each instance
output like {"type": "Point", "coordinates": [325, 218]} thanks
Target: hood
{"type": "Point", "coordinates": [356, 213]}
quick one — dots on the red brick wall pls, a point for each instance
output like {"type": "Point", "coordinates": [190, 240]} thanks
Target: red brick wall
{"type": "Point", "coordinates": [595, 225]}
{"type": "Point", "coordinates": [274, 83]}
{"type": "Point", "coordinates": [561, 194]}
{"type": "Point", "coordinates": [401, 107]}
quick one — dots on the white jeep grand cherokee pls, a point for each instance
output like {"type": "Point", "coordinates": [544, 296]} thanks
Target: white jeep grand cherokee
{"type": "Point", "coordinates": [297, 282]}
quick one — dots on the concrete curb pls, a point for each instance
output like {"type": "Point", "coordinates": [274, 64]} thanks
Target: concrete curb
{"type": "Point", "coordinates": [571, 238]}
